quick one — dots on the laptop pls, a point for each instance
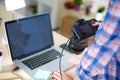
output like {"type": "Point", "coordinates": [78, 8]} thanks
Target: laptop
{"type": "Point", "coordinates": [32, 47]}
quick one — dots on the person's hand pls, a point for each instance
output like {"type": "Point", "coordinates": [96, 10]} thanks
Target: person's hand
{"type": "Point", "coordinates": [56, 76]}
{"type": "Point", "coordinates": [96, 23]}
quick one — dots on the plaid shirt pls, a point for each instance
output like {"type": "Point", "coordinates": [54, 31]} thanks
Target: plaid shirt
{"type": "Point", "coordinates": [102, 59]}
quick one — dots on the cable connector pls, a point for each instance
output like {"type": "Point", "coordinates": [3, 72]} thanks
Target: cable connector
{"type": "Point", "coordinates": [15, 69]}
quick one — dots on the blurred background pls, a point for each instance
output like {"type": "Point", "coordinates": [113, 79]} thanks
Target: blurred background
{"type": "Point", "coordinates": [65, 12]}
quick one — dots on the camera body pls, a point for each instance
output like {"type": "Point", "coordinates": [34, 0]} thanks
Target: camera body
{"type": "Point", "coordinates": [81, 31]}
{"type": "Point", "coordinates": [83, 28]}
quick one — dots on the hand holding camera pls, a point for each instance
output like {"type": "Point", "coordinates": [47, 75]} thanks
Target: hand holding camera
{"type": "Point", "coordinates": [81, 31]}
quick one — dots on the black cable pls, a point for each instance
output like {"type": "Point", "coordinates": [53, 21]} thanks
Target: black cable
{"type": "Point", "coordinates": [61, 57]}
{"type": "Point", "coordinates": [16, 69]}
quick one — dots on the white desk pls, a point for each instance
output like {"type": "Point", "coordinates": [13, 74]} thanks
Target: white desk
{"type": "Point", "coordinates": [8, 64]}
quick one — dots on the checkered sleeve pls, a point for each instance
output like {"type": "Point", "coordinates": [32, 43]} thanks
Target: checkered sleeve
{"type": "Point", "coordinates": [104, 47]}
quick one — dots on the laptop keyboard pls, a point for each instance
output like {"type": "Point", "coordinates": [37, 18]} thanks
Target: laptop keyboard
{"type": "Point", "coordinates": [41, 59]}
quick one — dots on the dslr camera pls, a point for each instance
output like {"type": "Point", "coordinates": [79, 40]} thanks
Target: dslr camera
{"type": "Point", "coordinates": [83, 28]}
{"type": "Point", "coordinates": [81, 31]}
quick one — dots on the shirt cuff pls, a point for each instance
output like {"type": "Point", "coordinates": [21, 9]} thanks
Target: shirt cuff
{"type": "Point", "coordinates": [82, 74]}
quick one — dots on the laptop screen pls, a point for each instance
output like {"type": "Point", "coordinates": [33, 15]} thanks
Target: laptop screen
{"type": "Point", "coordinates": [29, 35]}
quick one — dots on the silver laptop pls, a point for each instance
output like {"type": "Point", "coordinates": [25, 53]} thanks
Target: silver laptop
{"type": "Point", "coordinates": [32, 47]}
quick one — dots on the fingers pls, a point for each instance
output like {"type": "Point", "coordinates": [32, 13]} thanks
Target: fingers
{"type": "Point", "coordinates": [57, 76]}
{"type": "Point", "coordinates": [96, 23]}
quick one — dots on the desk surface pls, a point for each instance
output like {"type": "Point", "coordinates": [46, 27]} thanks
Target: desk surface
{"type": "Point", "coordinates": [7, 64]}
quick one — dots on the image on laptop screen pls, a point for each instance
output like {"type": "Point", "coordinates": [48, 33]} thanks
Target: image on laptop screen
{"type": "Point", "coordinates": [28, 35]}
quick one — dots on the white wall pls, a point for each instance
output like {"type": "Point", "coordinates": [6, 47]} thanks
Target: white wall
{"type": "Point", "coordinates": [53, 7]}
